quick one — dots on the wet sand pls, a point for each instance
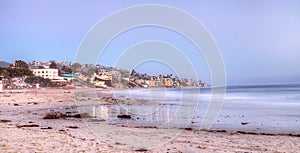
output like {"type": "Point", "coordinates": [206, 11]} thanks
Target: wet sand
{"type": "Point", "coordinates": [23, 129]}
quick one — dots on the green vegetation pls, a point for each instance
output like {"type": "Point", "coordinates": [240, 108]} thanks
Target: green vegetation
{"type": "Point", "coordinates": [53, 65]}
{"type": "Point", "coordinates": [18, 69]}
{"type": "Point", "coordinates": [66, 69]}
{"type": "Point", "coordinates": [40, 80]}
{"type": "Point", "coordinates": [18, 64]}
{"type": "Point", "coordinates": [13, 73]}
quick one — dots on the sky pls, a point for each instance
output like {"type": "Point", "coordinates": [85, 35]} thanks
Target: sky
{"type": "Point", "coordinates": [258, 40]}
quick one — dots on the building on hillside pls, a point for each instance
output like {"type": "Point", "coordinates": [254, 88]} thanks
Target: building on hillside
{"type": "Point", "coordinates": [98, 79]}
{"type": "Point", "coordinates": [60, 80]}
{"type": "Point", "coordinates": [167, 82]}
{"type": "Point", "coordinates": [68, 76]}
{"type": "Point", "coordinates": [201, 84]}
{"type": "Point", "coordinates": [46, 73]}
{"type": "Point", "coordinates": [100, 84]}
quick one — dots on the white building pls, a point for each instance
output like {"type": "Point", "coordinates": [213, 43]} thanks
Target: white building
{"type": "Point", "coordinates": [46, 73]}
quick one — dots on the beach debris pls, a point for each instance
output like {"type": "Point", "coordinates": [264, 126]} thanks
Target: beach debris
{"type": "Point", "coordinates": [201, 147]}
{"type": "Point", "coordinates": [220, 130]}
{"type": "Point", "coordinates": [30, 125]}
{"type": "Point", "coordinates": [149, 127]}
{"type": "Point", "coordinates": [17, 105]}
{"type": "Point", "coordinates": [244, 132]}
{"type": "Point", "coordinates": [146, 127]}
{"type": "Point", "coordinates": [245, 123]}
{"type": "Point", "coordinates": [44, 128]}
{"type": "Point", "coordinates": [124, 116]}
{"type": "Point", "coordinates": [34, 103]}
{"type": "Point", "coordinates": [166, 137]}
{"type": "Point", "coordinates": [54, 116]}
{"type": "Point", "coordinates": [188, 129]}
{"type": "Point", "coordinates": [82, 115]}
{"type": "Point", "coordinates": [97, 120]}
{"type": "Point", "coordinates": [57, 115]}
{"type": "Point", "coordinates": [5, 121]}
{"type": "Point", "coordinates": [118, 143]}
{"type": "Point", "coordinates": [73, 127]}
{"type": "Point", "coordinates": [205, 129]}
{"type": "Point", "coordinates": [141, 150]}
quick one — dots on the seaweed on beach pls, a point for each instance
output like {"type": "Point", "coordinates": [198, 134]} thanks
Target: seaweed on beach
{"type": "Point", "coordinates": [30, 125]}
{"type": "Point", "coordinates": [5, 121]}
{"type": "Point", "coordinates": [63, 116]}
{"type": "Point", "coordinates": [54, 116]}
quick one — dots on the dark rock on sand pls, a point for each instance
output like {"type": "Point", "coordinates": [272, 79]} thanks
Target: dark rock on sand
{"type": "Point", "coordinates": [124, 116]}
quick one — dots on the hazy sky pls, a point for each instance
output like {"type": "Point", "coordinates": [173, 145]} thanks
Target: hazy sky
{"type": "Point", "coordinates": [259, 40]}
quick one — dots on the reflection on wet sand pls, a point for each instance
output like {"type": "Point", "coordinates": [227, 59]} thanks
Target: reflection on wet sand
{"type": "Point", "coordinates": [161, 115]}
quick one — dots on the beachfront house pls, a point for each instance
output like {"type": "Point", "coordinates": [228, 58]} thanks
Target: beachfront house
{"type": "Point", "coordinates": [102, 80]}
{"type": "Point", "coordinates": [46, 73]}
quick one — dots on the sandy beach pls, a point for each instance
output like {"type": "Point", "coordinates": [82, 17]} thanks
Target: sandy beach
{"type": "Point", "coordinates": [24, 129]}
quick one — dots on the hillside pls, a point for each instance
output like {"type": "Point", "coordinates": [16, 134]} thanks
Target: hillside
{"type": "Point", "coordinates": [4, 64]}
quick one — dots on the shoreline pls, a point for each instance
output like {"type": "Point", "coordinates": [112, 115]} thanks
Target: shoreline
{"type": "Point", "coordinates": [22, 123]}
